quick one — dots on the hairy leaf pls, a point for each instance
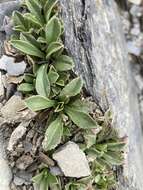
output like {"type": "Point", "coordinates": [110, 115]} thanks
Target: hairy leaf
{"type": "Point", "coordinates": [53, 75]}
{"type": "Point", "coordinates": [53, 48]}
{"type": "Point", "coordinates": [19, 20]}
{"type": "Point", "coordinates": [27, 48]}
{"type": "Point", "coordinates": [53, 135]}
{"type": "Point", "coordinates": [35, 8]}
{"type": "Point", "coordinates": [73, 88]}
{"type": "Point", "coordinates": [33, 20]}
{"type": "Point", "coordinates": [26, 87]}
{"type": "Point", "coordinates": [37, 103]}
{"type": "Point", "coordinates": [50, 4]}
{"type": "Point", "coordinates": [29, 38]}
{"type": "Point", "coordinates": [113, 158]}
{"type": "Point", "coordinates": [81, 119]}
{"type": "Point", "coordinates": [53, 30]}
{"type": "Point", "coordinates": [42, 81]}
{"type": "Point", "coordinates": [64, 63]}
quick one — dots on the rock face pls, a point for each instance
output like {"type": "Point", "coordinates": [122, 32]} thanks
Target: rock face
{"type": "Point", "coordinates": [72, 161]}
{"type": "Point", "coordinates": [94, 38]}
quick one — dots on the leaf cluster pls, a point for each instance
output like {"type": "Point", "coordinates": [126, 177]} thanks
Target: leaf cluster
{"type": "Point", "coordinates": [50, 86]}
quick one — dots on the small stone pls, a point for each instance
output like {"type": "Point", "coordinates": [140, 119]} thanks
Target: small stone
{"type": "Point", "coordinates": [24, 162]}
{"type": "Point", "coordinates": [14, 110]}
{"type": "Point", "coordinates": [56, 171]}
{"type": "Point", "coordinates": [1, 86]}
{"type": "Point", "coordinates": [136, 11]}
{"type": "Point", "coordinates": [133, 48]}
{"type": "Point", "coordinates": [17, 134]}
{"type": "Point", "coordinates": [13, 69]}
{"type": "Point", "coordinates": [72, 161]}
{"type": "Point", "coordinates": [18, 181]}
{"type": "Point", "coordinates": [136, 2]}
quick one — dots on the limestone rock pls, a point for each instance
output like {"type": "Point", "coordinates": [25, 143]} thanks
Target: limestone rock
{"type": "Point", "coordinates": [13, 69]}
{"type": "Point", "coordinates": [72, 161]}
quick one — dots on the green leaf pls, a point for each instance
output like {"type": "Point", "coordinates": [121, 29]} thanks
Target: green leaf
{"type": "Point", "coordinates": [35, 8]}
{"type": "Point", "coordinates": [27, 48]}
{"type": "Point", "coordinates": [79, 105]}
{"type": "Point", "coordinates": [90, 138]}
{"type": "Point", "coordinates": [42, 40]}
{"type": "Point", "coordinates": [28, 78]}
{"type": "Point", "coordinates": [54, 47]}
{"type": "Point", "coordinates": [38, 178]}
{"type": "Point", "coordinates": [73, 88]}
{"type": "Point", "coordinates": [53, 30]}
{"type": "Point", "coordinates": [32, 19]}
{"type": "Point", "coordinates": [64, 63]}
{"type": "Point", "coordinates": [37, 103]}
{"type": "Point", "coordinates": [116, 146]}
{"type": "Point", "coordinates": [53, 75]}
{"type": "Point", "coordinates": [50, 4]}
{"type": "Point", "coordinates": [81, 119]}
{"type": "Point", "coordinates": [53, 135]}
{"type": "Point", "coordinates": [42, 81]}
{"type": "Point", "coordinates": [26, 87]}
{"type": "Point", "coordinates": [113, 158]}
{"type": "Point", "coordinates": [19, 20]}
{"type": "Point", "coordinates": [29, 38]}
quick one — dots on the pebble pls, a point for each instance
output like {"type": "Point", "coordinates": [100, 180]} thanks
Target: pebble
{"type": "Point", "coordinates": [72, 161]}
{"type": "Point", "coordinates": [1, 86]}
{"type": "Point", "coordinates": [136, 2]}
{"type": "Point", "coordinates": [24, 162]}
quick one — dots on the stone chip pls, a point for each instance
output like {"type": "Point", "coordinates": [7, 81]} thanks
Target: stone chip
{"type": "Point", "coordinates": [72, 161]}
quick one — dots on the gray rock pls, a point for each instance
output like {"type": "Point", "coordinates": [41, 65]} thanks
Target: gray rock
{"type": "Point", "coordinates": [17, 134]}
{"type": "Point", "coordinates": [133, 48]}
{"type": "Point", "coordinates": [14, 110]}
{"type": "Point", "coordinates": [72, 161]}
{"type": "Point", "coordinates": [13, 69]}
{"type": "Point", "coordinates": [56, 171]}
{"type": "Point", "coordinates": [136, 11]}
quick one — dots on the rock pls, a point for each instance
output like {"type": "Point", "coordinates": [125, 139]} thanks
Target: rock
{"type": "Point", "coordinates": [133, 48]}
{"type": "Point", "coordinates": [1, 86]}
{"type": "Point", "coordinates": [13, 69]}
{"type": "Point", "coordinates": [22, 177]}
{"type": "Point", "coordinates": [24, 162]}
{"type": "Point", "coordinates": [15, 110]}
{"type": "Point", "coordinates": [72, 161]}
{"type": "Point", "coordinates": [56, 171]}
{"type": "Point", "coordinates": [136, 11]}
{"type": "Point", "coordinates": [17, 134]}
{"type": "Point", "coordinates": [136, 2]}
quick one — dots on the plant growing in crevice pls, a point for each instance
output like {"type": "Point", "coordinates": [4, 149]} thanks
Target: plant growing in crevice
{"type": "Point", "coordinates": [50, 86]}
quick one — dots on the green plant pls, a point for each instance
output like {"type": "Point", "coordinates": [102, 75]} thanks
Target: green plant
{"type": "Point", "coordinates": [50, 86]}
